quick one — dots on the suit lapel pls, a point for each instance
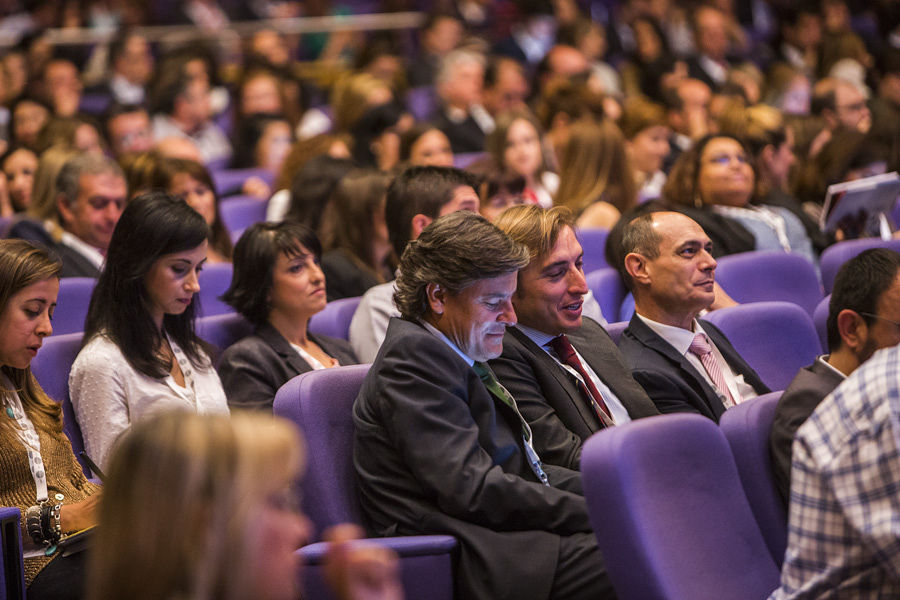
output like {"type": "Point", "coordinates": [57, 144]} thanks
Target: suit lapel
{"type": "Point", "coordinates": [271, 336]}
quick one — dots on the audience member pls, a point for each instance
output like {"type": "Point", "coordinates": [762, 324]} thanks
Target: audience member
{"type": "Point", "coordinates": [688, 112]}
{"type": "Point", "coordinates": [841, 104]}
{"type": "Point", "coordinates": [564, 371]}
{"type": "Point", "coordinates": [358, 253]}
{"type": "Point", "coordinates": [710, 64]}
{"type": "Point", "coordinates": [461, 116]}
{"type": "Point", "coordinates": [312, 188]}
{"type": "Point", "coordinates": [441, 448]}
{"type": "Point", "coordinates": [505, 85]}
{"type": "Point", "coordinates": [862, 316]}
{"type": "Point", "coordinates": [841, 538]}
{"type": "Point", "coordinates": [91, 195]}
{"type": "Point", "coordinates": [19, 165]}
{"type": "Point", "coordinates": [28, 115]}
{"type": "Point", "coordinates": [128, 129]}
{"type": "Point", "coordinates": [646, 134]}
{"type": "Point", "coordinates": [77, 132]}
{"type": "Point", "coordinates": [62, 86]}
{"type": "Point", "coordinates": [516, 145]}
{"type": "Point", "coordinates": [262, 141]}
{"type": "Point", "coordinates": [140, 354]}
{"type": "Point", "coordinates": [439, 35]}
{"type": "Point", "coordinates": [230, 522]}
{"type": "Point", "coordinates": [376, 136]}
{"type": "Point", "coordinates": [40, 475]}
{"type": "Point", "coordinates": [277, 285]}
{"type": "Point", "coordinates": [425, 145]}
{"type": "Point", "coordinates": [498, 191]}
{"type": "Point", "coordinates": [130, 69]}
{"type": "Point", "coordinates": [415, 198]}
{"type": "Point", "coordinates": [684, 364]}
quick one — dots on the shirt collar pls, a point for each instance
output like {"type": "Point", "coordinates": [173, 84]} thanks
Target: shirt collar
{"type": "Point", "coordinates": [680, 339]}
{"type": "Point", "coordinates": [438, 334]}
{"type": "Point", "coordinates": [824, 360]}
{"type": "Point", "coordinates": [538, 337]}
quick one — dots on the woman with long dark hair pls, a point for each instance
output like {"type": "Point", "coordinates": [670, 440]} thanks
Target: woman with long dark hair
{"type": "Point", "coordinates": [140, 352]}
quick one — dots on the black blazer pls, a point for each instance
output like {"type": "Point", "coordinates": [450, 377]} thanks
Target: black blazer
{"type": "Point", "coordinates": [253, 368]}
{"type": "Point", "coordinates": [74, 264]}
{"type": "Point", "coordinates": [808, 388]}
{"type": "Point", "coordinates": [549, 398]}
{"type": "Point", "coordinates": [670, 380]}
{"type": "Point", "coordinates": [435, 453]}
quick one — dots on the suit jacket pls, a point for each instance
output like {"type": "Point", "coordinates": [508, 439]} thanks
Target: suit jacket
{"type": "Point", "coordinates": [548, 396]}
{"type": "Point", "coordinates": [254, 368]}
{"type": "Point", "coordinates": [435, 453]}
{"type": "Point", "coordinates": [74, 264]}
{"type": "Point", "coordinates": [464, 137]}
{"type": "Point", "coordinates": [808, 388]}
{"type": "Point", "coordinates": [344, 278]}
{"type": "Point", "coordinates": [670, 380]}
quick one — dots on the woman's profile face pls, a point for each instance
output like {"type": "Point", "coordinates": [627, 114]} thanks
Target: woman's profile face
{"type": "Point", "coordinates": [25, 322]}
{"type": "Point", "coordinates": [649, 148]}
{"type": "Point", "coordinates": [431, 149]}
{"type": "Point", "coordinates": [274, 145]}
{"type": "Point", "coordinates": [19, 169]}
{"type": "Point", "coordinates": [281, 528]}
{"type": "Point", "coordinates": [298, 285]}
{"type": "Point", "coordinates": [725, 176]}
{"type": "Point", "coordinates": [523, 149]}
{"type": "Point", "coordinates": [171, 282]}
{"type": "Point", "coordinates": [196, 194]}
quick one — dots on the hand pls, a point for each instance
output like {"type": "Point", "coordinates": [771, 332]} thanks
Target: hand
{"type": "Point", "coordinates": [360, 571]}
{"type": "Point", "coordinates": [254, 186]}
{"type": "Point", "coordinates": [80, 515]}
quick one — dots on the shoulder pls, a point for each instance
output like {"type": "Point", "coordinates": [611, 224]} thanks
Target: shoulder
{"type": "Point", "coordinates": [599, 214]}
{"type": "Point", "coordinates": [99, 352]}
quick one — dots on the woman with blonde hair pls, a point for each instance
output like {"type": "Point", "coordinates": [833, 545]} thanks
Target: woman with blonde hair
{"type": "Point", "coordinates": [596, 179]}
{"type": "Point", "coordinates": [206, 508]}
{"type": "Point", "coordinates": [43, 197]}
{"type": "Point", "coordinates": [38, 472]}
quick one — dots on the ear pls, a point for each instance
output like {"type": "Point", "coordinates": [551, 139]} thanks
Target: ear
{"type": "Point", "coordinates": [419, 222]}
{"type": "Point", "coordinates": [64, 209]}
{"type": "Point", "coordinates": [636, 266]}
{"type": "Point", "coordinates": [767, 154]}
{"type": "Point", "coordinates": [853, 329]}
{"type": "Point", "coordinates": [436, 295]}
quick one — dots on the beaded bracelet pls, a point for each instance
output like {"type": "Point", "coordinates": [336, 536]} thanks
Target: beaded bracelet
{"type": "Point", "coordinates": [33, 524]}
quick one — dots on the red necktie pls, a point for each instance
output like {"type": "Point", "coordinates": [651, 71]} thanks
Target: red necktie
{"type": "Point", "coordinates": [566, 353]}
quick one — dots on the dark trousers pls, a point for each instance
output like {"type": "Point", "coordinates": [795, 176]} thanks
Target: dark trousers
{"type": "Point", "coordinates": [62, 579]}
{"type": "Point", "coordinates": [580, 572]}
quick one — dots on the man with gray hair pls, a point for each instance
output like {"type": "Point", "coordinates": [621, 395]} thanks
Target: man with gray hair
{"type": "Point", "coordinates": [459, 85]}
{"type": "Point", "coordinates": [441, 447]}
{"type": "Point", "coordinates": [91, 194]}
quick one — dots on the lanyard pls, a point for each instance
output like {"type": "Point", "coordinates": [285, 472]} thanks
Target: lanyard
{"type": "Point", "coordinates": [187, 370]}
{"type": "Point", "coordinates": [29, 438]}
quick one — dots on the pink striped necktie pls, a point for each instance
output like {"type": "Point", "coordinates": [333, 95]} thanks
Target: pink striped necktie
{"type": "Point", "coordinates": [700, 346]}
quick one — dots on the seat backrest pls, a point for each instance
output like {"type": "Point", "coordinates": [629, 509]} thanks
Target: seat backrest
{"type": "Point", "coordinates": [51, 368]}
{"type": "Point", "coordinates": [320, 403]}
{"type": "Point", "coordinates": [72, 304]}
{"type": "Point", "coordinates": [214, 280]}
{"type": "Point", "coordinates": [747, 427]}
{"type": "Point", "coordinates": [421, 102]}
{"type": "Point", "coordinates": [230, 181]}
{"type": "Point", "coordinates": [820, 321]}
{"type": "Point", "coordinates": [335, 319]}
{"type": "Point", "coordinates": [775, 338]}
{"type": "Point", "coordinates": [615, 330]}
{"type": "Point", "coordinates": [608, 289]}
{"type": "Point", "coordinates": [240, 212]}
{"type": "Point", "coordinates": [593, 242]}
{"type": "Point", "coordinates": [770, 275]}
{"type": "Point", "coordinates": [670, 516]}
{"type": "Point", "coordinates": [222, 331]}
{"type": "Point", "coordinates": [12, 573]}
{"type": "Point", "coordinates": [837, 254]}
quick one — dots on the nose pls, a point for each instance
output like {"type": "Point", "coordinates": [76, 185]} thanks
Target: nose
{"type": "Point", "coordinates": [707, 262]}
{"type": "Point", "coordinates": [192, 282]}
{"type": "Point", "coordinates": [577, 282]}
{"type": "Point", "coordinates": [44, 326]}
{"type": "Point", "coordinates": [316, 273]}
{"type": "Point", "coordinates": [507, 316]}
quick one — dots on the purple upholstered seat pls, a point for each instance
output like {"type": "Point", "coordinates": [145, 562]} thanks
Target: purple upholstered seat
{"type": "Point", "coordinates": [670, 515]}
{"type": "Point", "coordinates": [222, 331]}
{"type": "Point", "coordinates": [72, 304]}
{"type": "Point", "coordinates": [230, 181]}
{"type": "Point", "coordinates": [836, 255]}
{"type": "Point", "coordinates": [776, 338]}
{"type": "Point", "coordinates": [608, 289]}
{"type": "Point", "coordinates": [615, 330]}
{"type": "Point", "coordinates": [335, 319]}
{"type": "Point", "coordinates": [320, 404]}
{"type": "Point", "coordinates": [240, 212]}
{"type": "Point", "coordinates": [51, 368]}
{"type": "Point", "coordinates": [820, 321]}
{"type": "Point", "coordinates": [765, 275]}
{"type": "Point", "coordinates": [593, 242]}
{"type": "Point", "coordinates": [421, 102]}
{"type": "Point", "coordinates": [94, 104]}
{"type": "Point", "coordinates": [463, 160]}
{"type": "Point", "coordinates": [12, 573]}
{"type": "Point", "coordinates": [747, 427]}
{"type": "Point", "coordinates": [214, 280]}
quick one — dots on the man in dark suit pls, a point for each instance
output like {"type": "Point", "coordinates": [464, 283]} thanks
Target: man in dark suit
{"type": "Point", "coordinates": [684, 364]}
{"type": "Point", "coordinates": [461, 117]}
{"type": "Point", "coordinates": [441, 447]}
{"type": "Point", "coordinates": [547, 382]}
{"type": "Point", "coordinates": [863, 316]}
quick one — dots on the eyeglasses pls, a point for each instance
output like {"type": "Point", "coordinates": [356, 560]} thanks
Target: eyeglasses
{"type": "Point", "coordinates": [894, 323]}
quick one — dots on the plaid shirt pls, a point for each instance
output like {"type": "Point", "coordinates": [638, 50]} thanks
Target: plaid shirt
{"type": "Point", "coordinates": [844, 521]}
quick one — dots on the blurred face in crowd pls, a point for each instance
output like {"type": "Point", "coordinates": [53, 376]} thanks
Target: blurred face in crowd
{"type": "Point", "coordinates": [782, 159]}
{"type": "Point", "coordinates": [711, 33]}
{"type": "Point", "coordinates": [136, 62]}
{"type": "Point", "coordinates": [523, 149]}
{"type": "Point", "coordinates": [63, 85]}
{"type": "Point", "coordinates": [431, 149]}
{"type": "Point", "coordinates": [494, 206]}
{"type": "Point", "coordinates": [130, 132]}
{"type": "Point", "coordinates": [552, 288]}
{"type": "Point", "coordinates": [475, 319]}
{"type": "Point", "coordinates": [96, 210]}
{"type": "Point", "coordinates": [509, 90]}
{"type": "Point", "coordinates": [87, 139]}
{"type": "Point", "coordinates": [27, 121]}
{"type": "Point", "coordinates": [443, 36]}
{"type": "Point", "coordinates": [274, 145]}
{"type": "Point", "coordinates": [270, 45]}
{"type": "Point", "coordinates": [851, 109]}
{"type": "Point", "coordinates": [19, 168]}
{"type": "Point", "coordinates": [261, 95]}
{"type": "Point", "coordinates": [725, 175]}
{"type": "Point", "coordinates": [193, 106]}
{"type": "Point", "coordinates": [649, 148]}
{"type": "Point", "coordinates": [464, 84]}
{"type": "Point", "coordinates": [196, 194]}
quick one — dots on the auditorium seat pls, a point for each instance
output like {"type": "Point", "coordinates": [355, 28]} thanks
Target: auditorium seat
{"type": "Point", "coordinates": [770, 275]}
{"type": "Point", "coordinates": [72, 304]}
{"type": "Point", "coordinates": [776, 338]}
{"type": "Point", "coordinates": [593, 242]}
{"type": "Point", "coordinates": [820, 320]}
{"type": "Point", "coordinates": [608, 289]}
{"type": "Point", "coordinates": [837, 254]}
{"type": "Point", "coordinates": [230, 181]}
{"type": "Point", "coordinates": [320, 404]}
{"type": "Point", "coordinates": [222, 331]}
{"type": "Point", "coordinates": [214, 280]}
{"type": "Point", "coordinates": [334, 319]}
{"type": "Point", "coordinates": [747, 427]}
{"type": "Point", "coordinates": [670, 514]}
{"type": "Point", "coordinates": [615, 330]}
{"type": "Point", "coordinates": [240, 212]}
{"type": "Point", "coordinates": [12, 574]}
{"type": "Point", "coordinates": [421, 102]}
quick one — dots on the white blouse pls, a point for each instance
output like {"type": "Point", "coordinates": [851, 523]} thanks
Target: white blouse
{"type": "Point", "coordinates": [108, 395]}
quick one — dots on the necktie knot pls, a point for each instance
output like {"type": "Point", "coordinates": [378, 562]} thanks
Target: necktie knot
{"type": "Point", "coordinates": [563, 348]}
{"type": "Point", "coordinates": [700, 345]}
